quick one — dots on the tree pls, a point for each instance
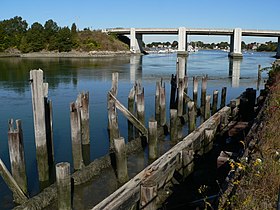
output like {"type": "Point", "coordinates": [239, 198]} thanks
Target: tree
{"type": "Point", "coordinates": [50, 31]}
{"type": "Point", "coordinates": [12, 31]}
{"type": "Point", "coordinates": [174, 44]}
{"type": "Point", "coordinates": [64, 40]}
{"type": "Point", "coordinates": [34, 41]}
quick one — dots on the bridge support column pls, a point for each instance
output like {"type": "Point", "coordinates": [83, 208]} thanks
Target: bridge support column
{"type": "Point", "coordinates": [278, 49]}
{"type": "Point", "coordinates": [136, 42]}
{"type": "Point", "coordinates": [235, 44]}
{"type": "Point", "coordinates": [182, 42]}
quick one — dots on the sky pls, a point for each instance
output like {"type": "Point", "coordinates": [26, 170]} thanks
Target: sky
{"type": "Point", "coordinates": [100, 14]}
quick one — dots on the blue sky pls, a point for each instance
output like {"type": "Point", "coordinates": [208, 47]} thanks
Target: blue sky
{"type": "Point", "coordinates": [98, 14]}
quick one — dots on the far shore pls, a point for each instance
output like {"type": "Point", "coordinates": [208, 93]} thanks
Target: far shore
{"type": "Point", "coordinates": [71, 54]}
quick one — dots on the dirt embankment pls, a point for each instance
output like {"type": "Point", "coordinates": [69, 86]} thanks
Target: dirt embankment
{"type": "Point", "coordinates": [259, 187]}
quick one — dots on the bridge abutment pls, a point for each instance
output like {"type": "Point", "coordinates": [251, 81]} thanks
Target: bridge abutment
{"type": "Point", "coordinates": [278, 49]}
{"type": "Point", "coordinates": [136, 42]}
{"type": "Point", "coordinates": [182, 42]}
{"type": "Point", "coordinates": [235, 44]}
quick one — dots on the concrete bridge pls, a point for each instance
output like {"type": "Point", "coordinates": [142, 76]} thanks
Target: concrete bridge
{"type": "Point", "coordinates": [136, 37]}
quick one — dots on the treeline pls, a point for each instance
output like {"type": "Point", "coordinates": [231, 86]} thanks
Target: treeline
{"type": "Point", "coordinates": [16, 35]}
{"type": "Point", "coordinates": [267, 46]}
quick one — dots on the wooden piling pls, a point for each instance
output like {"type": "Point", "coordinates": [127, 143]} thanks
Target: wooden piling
{"type": "Point", "coordinates": [16, 151]}
{"type": "Point", "coordinates": [186, 85]}
{"type": "Point", "coordinates": [76, 137]}
{"type": "Point", "coordinates": [148, 193]}
{"type": "Point", "coordinates": [207, 107]}
{"type": "Point", "coordinates": [162, 105]}
{"type": "Point", "coordinates": [215, 101]}
{"type": "Point", "coordinates": [223, 97]}
{"type": "Point", "coordinates": [49, 129]}
{"type": "Point", "coordinates": [180, 97]}
{"type": "Point", "coordinates": [157, 107]}
{"type": "Point", "coordinates": [173, 84]}
{"type": "Point", "coordinates": [112, 120]}
{"type": "Point", "coordinates": [37, 90]}
{"type": "Point", "coordinates": [115, 80]}
{"type": "Point", "coordinates": [129, 116]}
{"type": "Point", "coordinates": [19, 196]}
{"type": "Point", "coordinates": [203, 92]}
{"type": "Point", "coordinates": [83, 104]}
{"type": "Point", "coordinates": [195, 90]}
{"type": "Point", "coordinates": [259, 76]}
{"type": "Point", "coordinates": [63, 185]}
{"type": "Point", "coordinates": [131, 99]}
{"type": "Point", "coordinates": [152, 139]}
{"type": "Point", "coordinates": [121, 160]}
{"type": "Point", "coordinates": [173, 125]}
{"type": "Point", "coordinates": [191, 116]}
{"type": "Point", "coordinates": [140, 107]}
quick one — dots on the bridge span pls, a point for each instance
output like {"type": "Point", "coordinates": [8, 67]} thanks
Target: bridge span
{"type": "Point", "coordinates": [136, 37]}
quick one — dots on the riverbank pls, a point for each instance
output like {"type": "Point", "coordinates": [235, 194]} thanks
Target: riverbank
{"type": "Point", "coordinates": [259, 187]}
{"type": "Point", "coordinates": [71, 54]}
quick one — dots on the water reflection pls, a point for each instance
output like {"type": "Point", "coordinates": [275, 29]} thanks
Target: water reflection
{"type": "Point", "coordinates": [234, 72]}
{"type": "Point", "coordinates": [135, 68]}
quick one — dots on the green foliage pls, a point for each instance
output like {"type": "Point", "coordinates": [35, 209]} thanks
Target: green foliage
{"type": "Point", "coordinates": [64, 40]}
{"type": "Point", "coordinates": [268, 46]}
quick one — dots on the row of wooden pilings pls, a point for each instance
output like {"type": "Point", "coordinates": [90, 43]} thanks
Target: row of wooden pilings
{"type": "Point", "coordinates": [182, 109]}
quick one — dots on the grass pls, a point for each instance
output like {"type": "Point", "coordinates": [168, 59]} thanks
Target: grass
{"type": "Point", "coordinates": [259, 187]}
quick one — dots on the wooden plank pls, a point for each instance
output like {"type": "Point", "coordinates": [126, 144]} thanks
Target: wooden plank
{"type": "Point", "coordinates": [19, 195]}
{"type": "Point", "coordinates": [160, 171]}
{"type": "Point", "coordinates": [129, 116]}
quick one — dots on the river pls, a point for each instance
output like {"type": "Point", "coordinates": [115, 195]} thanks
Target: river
{"type": "Point", "coordinates": [69, 76]}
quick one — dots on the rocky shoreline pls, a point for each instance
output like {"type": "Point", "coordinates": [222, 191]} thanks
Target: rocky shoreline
{"type": "Point", "coordinates": [71, 54]}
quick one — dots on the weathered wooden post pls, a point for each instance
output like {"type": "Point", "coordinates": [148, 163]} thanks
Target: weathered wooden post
{"type": "Point", "coordinates": [207, 107]}
{"type": "Point", "coordinates": [191, 116]}
{"type": "Point", "coordinates": [186, 85]}
{"type": "Point", "coordinates": [215, 101]}
{"type": "Point", "coordinates": [148, 193]}
{"type": "Point", "coordinates": [140, 107]}
{"type": "Point", "coordinates": [19, 196]}
{"type": "Point", "coordinates": [180, 97]}
{"type": "Point", "coordinates": [203, 92]}
{"type": "Point", "coordinates": [152, 139]}
{"type": "Point", "coordinates": [121, 161]}
{"type": "Point", "coordinates": [16, 151]}
{"type": "Point", "coordinates": [173, 84]}
{"type": "Point", "coordinates": [223, 97]}
{"type": "Point", "coordinates": [112, 120]}
{"type": "Point", "coordinates": [37, 91]}
{"type": "Point", "coordinates": [75, 122]}
{"type": "Point", "coordinates": [83, 104]}
{"type": "Point", "coordinates": [115, 80]}
{"type": "Point", "coordinates": [131, 100]}
{"type": "Point", "coordinates": [162, 105]}
{"type": "Point", "coordinates": [49, 129]}
{"type": "Point", "coordinates": [259, 76]}
{"type": "Point", "coordinates": [195, 90]}
{"type": "Point", "coordinates": [63, 185]}
{"type": "Point", "coordinates": [173, 125]}
{"type": "Point", "coordinates": [157, 107]}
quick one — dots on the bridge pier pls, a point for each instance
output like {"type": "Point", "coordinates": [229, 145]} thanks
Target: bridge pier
{"type": "Point", "coordinates": [235, 44]}
{"type": "Point", "coordinates": [182, 42]}
{"type": "Point", "coordinates": [278, 49]}
{"type": "Point", "coordinates": [136, 42]}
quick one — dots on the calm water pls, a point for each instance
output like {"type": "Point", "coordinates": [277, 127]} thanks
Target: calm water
{"type": "Point", "coordinates": [68, 77]}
